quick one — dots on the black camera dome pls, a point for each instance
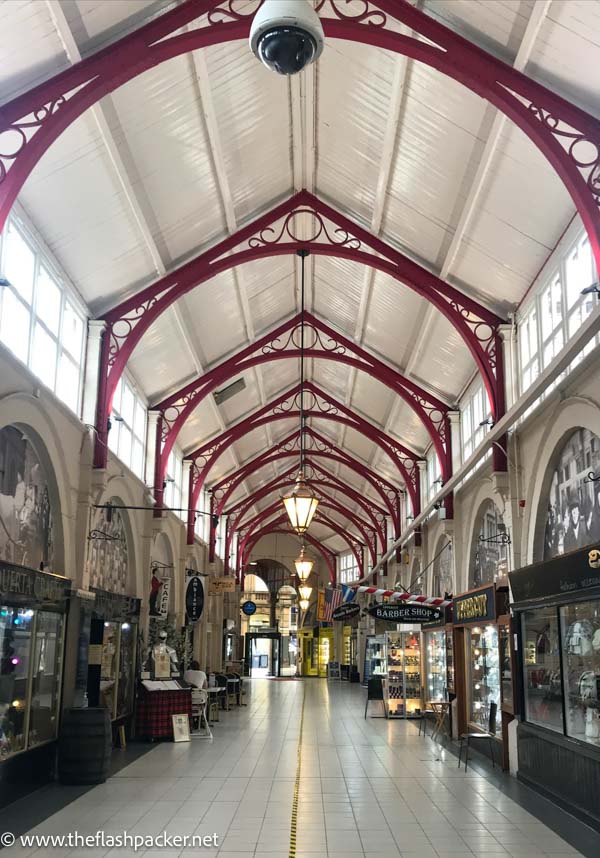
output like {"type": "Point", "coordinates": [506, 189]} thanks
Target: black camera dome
{"type": "Point", "coordinates": [287, 50]}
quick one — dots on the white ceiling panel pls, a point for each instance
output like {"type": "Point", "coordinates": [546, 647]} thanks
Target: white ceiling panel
{"type": "Point", "coordinates": [202, 425]}
{"type": "Point", "coordinates": [279, 376]}
{"type": "Point", "coordinates": [355, 87]}
{"type": "Point", "coordinates": [406, 426]}
{"type": "Point", "coordinates": [390, 324]}
{"type": "Point", "coordinates": [372, 399]}
{"type": "Point", "coordinates": [161, 361]}
{"type": "Point", "coordinates": [338, 292]}
{"type": "Point", "coordinates": [94, 22]}
{"type": "Point", "coordinates": [214, 311]}
{"type": "Point", "coordinates": [498, 26]}
{"type": "Point", "coordinates": [27, 25]}
{"type": "Point", "coordinates": [251, 108]}
{"type": "Point", "coordinates": [99, 244]}
{"type": "Point", "coordinates": [449, 365]}
{"type": "Point", "coordinates": [156, 113]}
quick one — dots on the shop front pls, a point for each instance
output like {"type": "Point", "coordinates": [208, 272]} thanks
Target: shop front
{"type": "Point", "coordinates": [557, 607]}
{"type": "Point", "coordinates": [438, 665]}
{"type": "Point", "coordinates": [481, 633]}
{"type": "Point", "coordinates": [33, 610]}
{"type": "Point", "coordinates": [112, 654]}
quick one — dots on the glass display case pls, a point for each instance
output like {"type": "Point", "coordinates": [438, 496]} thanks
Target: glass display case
{"type": "Point", "coordinates": [580, 631]}
{"type": "Point", "coordinates": [506, 668]}
{"type": "Point", "coordinates": [325, 650]}
{"type": "Point", "coordinates": [436, 681]}
{"type": "Point", "coordinates": [450, 661]}
{"type": "Point", "coordinates": [484, 675]}
{"type": "Point", "coordinates": [542, 674]}
{"type": "Point", "coordinates": [375, 661]}
{"type": "Point", "coordinates": [402, 685]}
{"type": "Point", "coordinates": [31, 645]}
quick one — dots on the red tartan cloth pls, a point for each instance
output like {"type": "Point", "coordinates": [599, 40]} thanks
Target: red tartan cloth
{"type": "Point", "coordinates": [154, 710]}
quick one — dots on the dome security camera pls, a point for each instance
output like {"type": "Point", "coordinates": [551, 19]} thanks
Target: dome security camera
{"type": "Point", "coordinates": [286, 35]}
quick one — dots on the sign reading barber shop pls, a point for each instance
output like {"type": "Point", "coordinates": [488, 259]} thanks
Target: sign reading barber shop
{"type": "Point", "coordinates": [404, 613]}
{"type": "Point", "coordinates": [194, 598]}
{"type": "Point", "coordinates": [346, 612]}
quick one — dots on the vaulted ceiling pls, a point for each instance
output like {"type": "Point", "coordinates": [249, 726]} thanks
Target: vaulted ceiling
{"type": "Point", "coordinates": [193, 149]}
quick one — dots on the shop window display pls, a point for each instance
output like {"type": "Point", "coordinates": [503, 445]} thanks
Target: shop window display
{"type": "Point", "coordinates": [484, 675]}
{"type": "Point", "coordinates": [108, 676]}
{"type": "Point", "coordinates": [46, 673]}
{"type": "Point", "coordinates": [450, 659]}
{"type": "Point", "coordinates": [15, 630]}
{"type": "Point", "coordinates": [541, 663]}
{"type": "Point", "coordinates": [580, 626]}
{"type": "Point", "coordinates": [435, 665]}
{"type": "Point", "coordinates": [126, 669]}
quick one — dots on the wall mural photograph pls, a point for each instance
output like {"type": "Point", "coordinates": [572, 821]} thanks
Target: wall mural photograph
{"type": "Point", "coordinates": [573, 508]}
{"type": "Point", "coordinates": [26, 527]}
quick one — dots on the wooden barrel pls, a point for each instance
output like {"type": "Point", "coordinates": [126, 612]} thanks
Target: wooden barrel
{"type": "Point", "coordinates": [84, 746]}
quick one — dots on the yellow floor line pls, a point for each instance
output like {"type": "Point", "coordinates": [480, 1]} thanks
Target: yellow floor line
{"type": "Point", "coordinates": [294, 825]}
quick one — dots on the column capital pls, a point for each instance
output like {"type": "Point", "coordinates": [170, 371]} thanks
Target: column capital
{"type": "Point", "coordinates": [454, 417]}
{"type": "Point", "coordinates": [153, 416]}
{"type": "Point", "coordinates": [422, 465]}
{"type": "Point", "coordinates": [505, 329]}
{"type": "Point", "coordinates": [96, 327]}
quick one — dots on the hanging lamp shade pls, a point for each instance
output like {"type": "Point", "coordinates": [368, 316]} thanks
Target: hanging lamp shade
{"type": "Point", "coordinates": [304, 604]}
{"type": "Point", "coordinates": [300, 505]}
{"type": "Point", "coordinates": [305, 592]}
{"type": "Point", "coordinates": [303, 565]}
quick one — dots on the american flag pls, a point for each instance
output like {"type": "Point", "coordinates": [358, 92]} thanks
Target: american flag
{"type": "Point", "coordinates": [333, 598]}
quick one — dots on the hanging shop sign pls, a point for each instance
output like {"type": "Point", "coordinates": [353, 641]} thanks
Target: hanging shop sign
{"type": "Point", "coordinates": [114, 606]}
{"type": "Point", "coordinates": [194, 599]}
{"type": "Point", "coordinates": [475, 606]}
{"type": "Point", "coordinates": [217, 586]}
{"type": "Point", "coordinates": [321, 616]}
{"type": "Point", "coordinates": [393, 613]}
{"type": "Point", "coordinates": [568, 574]}
{"type": "Point", "coordinates": [249, 608]}
{"type": "Point", "coordinates": [346, 612]}
{"type": "Point", "coordinates": [162, 602]}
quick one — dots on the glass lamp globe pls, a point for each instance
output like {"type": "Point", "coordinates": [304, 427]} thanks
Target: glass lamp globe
{"type": "Point", "coordinates": [303, 565]}
{"type": "Point", "coordinates": [305, 593]}
{"type": "Point", "coordinates": [300, 505]}
{"type": "Point", "coordinates": [303, 604]}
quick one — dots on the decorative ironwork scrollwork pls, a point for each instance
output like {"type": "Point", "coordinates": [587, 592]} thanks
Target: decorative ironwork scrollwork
{"type": "Point", "coordinates": [362, 11]}
{"type": "Point", "coordinates": [120, 329]}
{"type": "Point", "coordinates": [227, 12]}
{"type": "Point", "coordinates": [313, 339]}
{"type": "Point", "coordinates": [21, 132]}
{"type": "Point", "coordinates": [320, 230]}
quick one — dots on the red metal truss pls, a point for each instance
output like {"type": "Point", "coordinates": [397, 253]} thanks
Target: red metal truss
{"type": "Point", "coordinates": [316, 446]}
{"type": "Point", "coordinates": [328, 556]}
{"type": "Point", "coordinates": [317, 404]}
{"type": "Point", "coordinates": [322, 482]}
{"type": "Point", "coordinates": [246, 534]}
{"type": "Point", "coordinates": [322, 342]}
{"type": "Point", "coordinates": [369, 535]}
{"type": "Point", "coordinates": [319, 478]}
{"type": "Point", "coordinates": [568, 136]}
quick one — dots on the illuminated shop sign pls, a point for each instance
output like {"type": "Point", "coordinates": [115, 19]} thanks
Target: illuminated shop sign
{"type": "Point", "coordinates": [475, 606]}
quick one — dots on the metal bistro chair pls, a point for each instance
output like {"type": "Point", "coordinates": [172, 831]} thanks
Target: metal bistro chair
{"type": "Point", "coordinates": [490, 736]}
{"type": "Point", "coordinates": [199, 712]}
{"type": "Point", "coordinates": [375, 692]}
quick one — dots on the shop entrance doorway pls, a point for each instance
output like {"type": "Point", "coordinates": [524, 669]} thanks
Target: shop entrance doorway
{"type": "Point", "coordinates": [262, 654]}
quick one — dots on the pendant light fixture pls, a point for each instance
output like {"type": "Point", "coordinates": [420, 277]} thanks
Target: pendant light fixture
{"type": "Point", "coordinates": [301, 504]}
{"type": "Point", "coordinates": [303, 604]}
{"type": "Point", "coordinates": [303, 565]}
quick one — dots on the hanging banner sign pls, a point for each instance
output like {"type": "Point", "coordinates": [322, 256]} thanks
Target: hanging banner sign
{"type": "Point", "coordinates": [321, 606]}
{"type": "Point", "coordinates": [217, 586]}
{"type": "Point", "coordinates": [194, 599]}
{"type": "Point", "coordinates": [162, 604]}
{"type": "Point", "coordinates": [392, 613]}
{"type": "Point", "coordinates": [346, 612]}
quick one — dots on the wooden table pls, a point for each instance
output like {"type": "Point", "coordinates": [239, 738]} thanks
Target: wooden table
{"type": "Point", "coordinates": [440, 709]}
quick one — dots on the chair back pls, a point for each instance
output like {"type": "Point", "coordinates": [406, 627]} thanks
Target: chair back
{"type": "Point", "coordinates": [492, 718]}
{"type": "Point", "coordinates": [375, 689]}
{"type": "Point", "coordinates": [199, 697]}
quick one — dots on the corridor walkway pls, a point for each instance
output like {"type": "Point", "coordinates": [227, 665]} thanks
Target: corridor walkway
{"type": "Point", "coordinates": [367, 788]}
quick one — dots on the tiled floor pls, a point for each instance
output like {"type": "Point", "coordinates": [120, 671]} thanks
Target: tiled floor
{"type": "Point", "coordinates": [368, 788]}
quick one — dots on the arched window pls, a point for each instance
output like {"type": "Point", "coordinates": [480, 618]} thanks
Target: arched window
{"type": "Point", "coordinates": [490, 550]}
{"type": "Point", "coordinates": [572, 506]}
